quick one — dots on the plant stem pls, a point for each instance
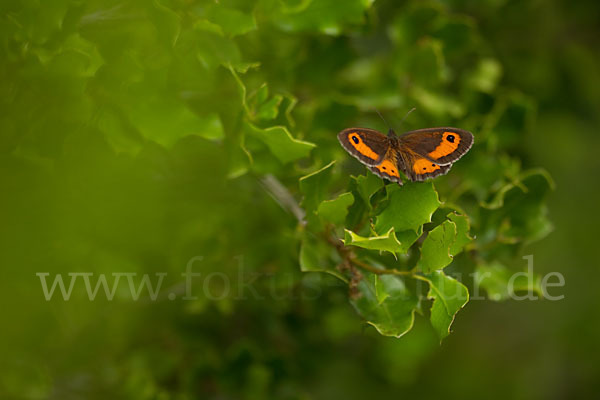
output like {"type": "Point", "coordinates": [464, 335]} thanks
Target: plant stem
{"type": "Point", "coordinates": [349, 257]}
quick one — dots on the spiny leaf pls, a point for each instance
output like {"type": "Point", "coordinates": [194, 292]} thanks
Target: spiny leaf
{"type": "Point", "coordinates": [435, 252]}
{"type": "Point", "coordinates": [269, 109]}
{"type": "Point", "coordinates": [449, 296]}
{"type": "Point", "coordinates": [367, 185]}
{"type": "Point", "coordinates": [386, 304]}
{"type": "Point", "coordinates": [335, 210]}
{"type": "Point", "coordinates": [387, 242]}
{"type": "Point", "coordinates": [462, 232]}
{"type": "Point", "coordinates": [281, 143]}
{"type": "Point", "coordinates": [408, 238]}
{"type": "Point", "coordinates": [410, 206]}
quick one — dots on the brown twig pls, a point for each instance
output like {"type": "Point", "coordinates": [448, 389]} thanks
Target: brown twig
{"type": "Point", "coordinates": [350, 258]}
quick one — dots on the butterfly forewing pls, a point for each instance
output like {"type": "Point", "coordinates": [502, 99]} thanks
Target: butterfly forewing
{"type": "Point", "coordinates": [367, 145]}
{"type": "Point", "coordinates": [442, 145]}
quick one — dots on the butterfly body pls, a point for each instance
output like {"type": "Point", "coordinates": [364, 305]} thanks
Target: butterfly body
{"type": "Point", "coordinates": [419, 155]}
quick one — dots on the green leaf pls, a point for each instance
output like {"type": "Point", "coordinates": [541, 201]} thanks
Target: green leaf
{"type": "Point", "coordinates": [165, 121]}
{"type": "Point", "coordinates": [367, 185]}
{"type": "Point", "coordinates": [518, 211]}
{"type": "Point", "coordinates": [438, 104]}
{"type": "Point", "coordinates": [335, 210]}
{"type": "Point", "coordinates": [214, 50]}
{"type": "Point", "coordinates": [269, 109]}
{"type": "Point", "coordinates": [316, 256]}
{"type": "Point", "coordinates": [281, 143]}
{"type": "Point", "coordinates": [324, 16]}
{"type": "Point", "coordinates": [436, 249]}
{"type": "Point", "coordinates": [462, 232]}
{"type": "Point", "coordinates": [486, 76]}
{"type": "Point", "coordinates": [500, 283]}
{"type": "Point", "coordinates": [449, 296]}
{"type": "Point", "coordinates": [386, 304]}
{"type": "Point", "coordinates": [407, 238]}
{"type": "Point", "coordinates": [232, 21]}
{"type": "Point", "coordinates": [261, 107]}
{"type": "Point", "coordinates": [410, 206]}
{"type": "Point", "coordinates": [167, 22]}
{"type": "Point", "coordinates": [314, 187]}
{"type": "Point", "coordinates": [387, 242]}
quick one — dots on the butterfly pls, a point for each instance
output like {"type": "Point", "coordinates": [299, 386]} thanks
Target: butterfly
{"type": "Point", "coordinates": [419, 155]}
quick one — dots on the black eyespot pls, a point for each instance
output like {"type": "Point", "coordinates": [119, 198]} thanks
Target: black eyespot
{"type": "Point", "coordinates": [433, 165]}
{"type": "Point", "coordinates": [355, 139]}
{"type": "Point", "coordinates": [424, 168]}
{"type": "Point", "coordinates": [383, 167]}
{"type": "Point", "coordinates": [450, 138]}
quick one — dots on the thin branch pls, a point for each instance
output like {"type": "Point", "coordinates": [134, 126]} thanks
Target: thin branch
{"type": "Point", "coordinates": [282, 196]}
{"type": "Point", "coordinates": [348, 256]}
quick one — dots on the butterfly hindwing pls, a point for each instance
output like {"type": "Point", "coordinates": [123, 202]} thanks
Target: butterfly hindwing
{"type": "Point", "coordinates": [418, 168]}
{"type": "Point", "coordinates": [389, 167]}
{"type": "Point", "coordinates": [367, 145]}
{"type": "Point", "coordinates": [444, 146]}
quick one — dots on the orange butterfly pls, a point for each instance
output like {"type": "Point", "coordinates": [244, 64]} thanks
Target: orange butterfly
{"type": "Point", "coordinates": [419, 155]}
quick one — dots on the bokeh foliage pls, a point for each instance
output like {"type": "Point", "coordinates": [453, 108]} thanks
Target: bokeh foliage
{"type": "Point", "coordinates": [141, 136]}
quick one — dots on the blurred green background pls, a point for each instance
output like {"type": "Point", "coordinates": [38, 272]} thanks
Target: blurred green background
{"type": "Point", "coordinates": [136, 135]}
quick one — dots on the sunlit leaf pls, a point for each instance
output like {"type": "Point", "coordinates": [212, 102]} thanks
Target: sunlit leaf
{"type": "Point", "coordinates": [436, 249]}
{"type": "Point", "coordinates": [335, 211]}
{"type": "Point", "coordinates": [387, 242]}
{"type": "Point", "coordinates": [410, 206]}
{"type": "Point", "coordinates": [449, 296]}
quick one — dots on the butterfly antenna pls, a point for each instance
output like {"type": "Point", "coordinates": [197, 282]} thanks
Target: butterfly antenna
{"type": "Point", "coordinates": [390, 131]}
{"type": "Point", "coordinates": [407, 114]}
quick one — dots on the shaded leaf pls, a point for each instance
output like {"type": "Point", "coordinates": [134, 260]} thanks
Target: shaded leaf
{"type": "Point", "coordinates": [518, 211]}
{"type": "Point", "coordinates": [500, 283]}
{"type": "Point", "coordinates": [462, 232]}
{"type": "Point", "coordinates": [269, 109]}
{"type": "Point", "coordinates": [165, 121]}
{"type": "Point", "coordinates": [486, 75]}
{"type": "Point", "coordinates": [386, 304]}
{"type": "Point", "coordinates": [232, 21]}
{"type": "Point", "coordinates": [335, 210]}
{"type": "Point", "coordinates": [367, 185]}
{"type": "Point", "coordinates": [324, 16]}
{"type": "Point", "coordinates": [281, 143]}
{"type": "Point", "coordinates": [316, 256]}
{"type": "Point", "coordinates": [314, 187]}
